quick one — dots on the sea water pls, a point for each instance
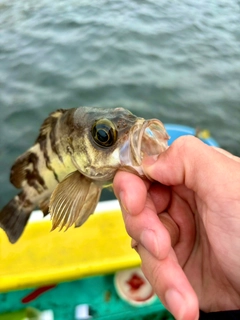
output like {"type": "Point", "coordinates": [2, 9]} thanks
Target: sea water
{"type": "Point", "coordinates": [178, 61]}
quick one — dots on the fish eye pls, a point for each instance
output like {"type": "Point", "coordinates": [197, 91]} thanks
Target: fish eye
{"type": "Point", "coordinates": [104, 133]}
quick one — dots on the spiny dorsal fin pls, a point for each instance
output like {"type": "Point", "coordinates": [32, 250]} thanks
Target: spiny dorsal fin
{"type": "Point", "coordinates": [73, 200]}
{"type": "Point", "coordinates": [49, 122]}
{"type": "Point", "coordinates": [48, 132]}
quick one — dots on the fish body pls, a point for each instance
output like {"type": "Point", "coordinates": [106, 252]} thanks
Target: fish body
{"type": "Point", "coordinates": [75, 155]}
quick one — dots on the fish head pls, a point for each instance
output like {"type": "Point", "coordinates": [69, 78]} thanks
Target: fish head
{"type": "Point", "coordinates": [104, 140]}
{"type": "Point", "coordinates": [97, 139]}
{"type": "Point", "coordinates": [100, 142]}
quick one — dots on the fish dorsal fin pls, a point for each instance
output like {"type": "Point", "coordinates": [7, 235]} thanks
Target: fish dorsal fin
{"type": "Point", "coordinates": [73, 200]}
{"type": "Point", "coordinates": [49, 122]}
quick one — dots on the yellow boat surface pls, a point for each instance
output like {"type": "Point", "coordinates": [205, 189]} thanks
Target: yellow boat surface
{"type": "Point", "coordinates": [42, 257]}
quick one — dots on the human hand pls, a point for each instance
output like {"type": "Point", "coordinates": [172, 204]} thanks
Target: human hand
{"type": "Point", "coordinates": [194, 200]}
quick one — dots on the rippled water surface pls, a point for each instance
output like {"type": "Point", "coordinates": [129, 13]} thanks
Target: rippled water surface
{"type": "Point", "coordinates": [178, 61]}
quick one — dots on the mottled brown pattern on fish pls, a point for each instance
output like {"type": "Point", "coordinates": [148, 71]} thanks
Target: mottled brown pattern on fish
{"type": "Point", "coordinates": [25, 202]}
{"type": "Point", "coordinates": [33, 176]}
{"type": "Point", "coordinates": [67, 120]}
{"type": "Point", "coordinates": [52, 122]}
{"type": "Point", "coordinates": [69, 147]}
{"type": "Point", "coordinates": [26, 169]}
{"type": "Point", "coordinates": [18, 173]}
{"type": "Point", "coordinates": [49, 133]}
{"type": "Point", "coordinates": [55, 141]}
{"type": "Point", "coordinates": [43, 148]}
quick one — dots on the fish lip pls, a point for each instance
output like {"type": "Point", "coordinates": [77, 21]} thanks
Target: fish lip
{"type": "Point", "coordinates": [146, 138]}
{"type": "Point", "coordinates": [153, 139]}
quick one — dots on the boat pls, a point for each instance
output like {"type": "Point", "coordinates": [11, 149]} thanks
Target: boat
{"type": "Point", "coordinates": [76, 274]}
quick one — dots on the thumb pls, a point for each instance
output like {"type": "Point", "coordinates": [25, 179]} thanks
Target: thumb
{"type": "Point", "coordinates": [191, 162]}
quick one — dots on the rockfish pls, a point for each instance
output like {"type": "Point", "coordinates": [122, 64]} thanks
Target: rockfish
{"type": "Point", "coordinates": [76, 154]}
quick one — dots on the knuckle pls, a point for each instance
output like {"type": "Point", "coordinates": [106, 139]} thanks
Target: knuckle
{"type": "Point", "coordinates": [186, 143]}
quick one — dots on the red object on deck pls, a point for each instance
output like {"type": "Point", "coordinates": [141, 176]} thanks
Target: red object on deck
{"type": "Point", "coordinates": [37, 292]}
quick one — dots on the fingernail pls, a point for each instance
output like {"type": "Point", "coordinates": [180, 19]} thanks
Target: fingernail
{"type": "Point", "coordinates": [149, 241]}
{"type": "Point", "coordinates": [134, 245]}
{"type": "Point", "coordinates": [122, 201]}
{"type": "Point", "coordinates": [149, 160]}
{"type": "Point", "coordinates": [175, 303]}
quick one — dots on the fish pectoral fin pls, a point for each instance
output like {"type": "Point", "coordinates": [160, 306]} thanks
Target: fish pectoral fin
{"type": "Point", "coordinates": [90, 203]}
{"type": "Point", "coordinates": [73, 200]}
{"type": "Point", "coordinates": [44, 206]}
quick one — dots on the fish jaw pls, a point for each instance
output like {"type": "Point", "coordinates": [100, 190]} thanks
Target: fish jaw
{"type": "Point", "coordinates": [148, 138]}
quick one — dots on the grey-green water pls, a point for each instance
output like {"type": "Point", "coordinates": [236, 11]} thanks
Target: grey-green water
{"type": "Point", "coordinates": [175, 60]}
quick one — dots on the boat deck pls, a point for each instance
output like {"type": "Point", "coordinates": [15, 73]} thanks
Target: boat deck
{"type": "Point", "coordinates": [41, 257]}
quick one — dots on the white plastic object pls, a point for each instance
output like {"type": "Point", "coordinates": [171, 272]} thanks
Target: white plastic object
{"type": "Point", "coordinates": [133, 287]}
{"type": "Point", "coordinates": [82, 312]}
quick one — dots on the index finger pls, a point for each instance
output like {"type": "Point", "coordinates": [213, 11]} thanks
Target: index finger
{"type": "Point", "coordinates": [132, 192]}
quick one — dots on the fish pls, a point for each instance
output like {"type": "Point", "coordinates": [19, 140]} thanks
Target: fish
{"type": "Point", "coordinates": [76, 154]}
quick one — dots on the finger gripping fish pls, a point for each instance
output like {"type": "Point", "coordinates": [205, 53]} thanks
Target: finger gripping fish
{"type": "Point", "coordinates": [76, 154]}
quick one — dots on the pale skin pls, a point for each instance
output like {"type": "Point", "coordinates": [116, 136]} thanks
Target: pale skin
{"type": "Point", "coordinates": [185, 225]}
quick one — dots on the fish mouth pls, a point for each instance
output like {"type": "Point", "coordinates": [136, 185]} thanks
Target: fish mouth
{"type": "Point", "coordinates": [147, 138]}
